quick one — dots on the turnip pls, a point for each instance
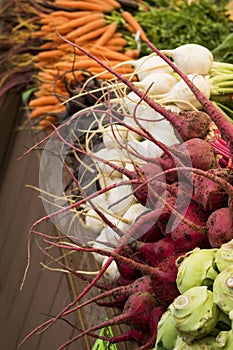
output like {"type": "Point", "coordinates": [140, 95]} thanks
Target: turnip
{"type": "Point", "coordinates": [147, 65]}
{"type": "Point", "coordinates": [223, 124]}
{"type": "Point", "coordinates": [181, 94]}
{"type": "Point", "coordinates": [191, 58]}
{"type": "Point", "coordinates": [157, 83]}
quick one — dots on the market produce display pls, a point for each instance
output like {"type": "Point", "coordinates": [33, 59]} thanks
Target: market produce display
{"type": "Point", "coordinates": [201, 316]}
{"type": "Point", "coordinates": [147, 144]}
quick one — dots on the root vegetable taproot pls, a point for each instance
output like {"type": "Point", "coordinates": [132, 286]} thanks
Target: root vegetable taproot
{"type": "Point", "coordinates": [220, 227]}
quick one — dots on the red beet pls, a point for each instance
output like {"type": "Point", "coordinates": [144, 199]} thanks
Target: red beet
{"type": "Point", "coordinates": [194, 124]}
{"type": "Point", "coordinates": [154, 253]}
{"type": "Point", "coordinates": [185, 237]}
{"type": "Point", "coordinates": [209, 194]}
{"type": "Point", "coordinates": [128, 272]}
{"type": "Point", "coordinates": [220, 227]}
{"type": "Point", "coordinates": [148, 186]}
{"type": "Point", "coordinates": [165, 289]}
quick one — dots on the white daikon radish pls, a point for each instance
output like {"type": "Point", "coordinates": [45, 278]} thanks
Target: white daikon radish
{"type": "Point", "coordinates": [191, 58]}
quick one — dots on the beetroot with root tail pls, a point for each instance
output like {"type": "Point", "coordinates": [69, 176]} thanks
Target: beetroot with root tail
{"type": "Point", "coordinates": [165, 289]}
{"type": "Point", "coordinates": [148, 187]}
{"type": "Point", "coordinates": [187, 236]}
{"type": "Point", "coordinates": [193, 124]}
{"type": "Point", "coordinates": [155, 252]}
{"type": "Point", "coordinates": [128, 272]}
{"type": "Point", "coordinates": [220, 227]}
{"type": "Point", "coordinates": [133, 334]}
{"type": "Point", "coordinates": [209, 194]}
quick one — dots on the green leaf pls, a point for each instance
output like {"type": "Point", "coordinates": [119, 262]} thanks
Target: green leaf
{"type": "Point", "coordinates": [26, 95]}
{"type": "Point", "coordinates": [104, 344]}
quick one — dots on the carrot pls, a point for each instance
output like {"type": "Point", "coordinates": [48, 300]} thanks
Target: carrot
{"type": "Point", "coordinates": [122, 70]}
{"type": "Point", "coordinates": [86, 29]}
{"type": "Point", "coordinates": [40, 111]}
{"type": "Point", "coordinates": [43, 100]}
{"type": "Point", "coordinates": [128, 17]}
{"type": "Point", "coordinates": [109, 54]}
{"type": "Point", "coordinates": [117, 41]}
{"type": "Point", "coordinates": [113, 3]}
{"type": "Point", "coordinates": [115, 48]}
{"type": "Point", "coordinates": [84, 5]}
{"type": "Point", "coordinates": [107, 35]}
{"type": "Point", "coordinates": [66, 27]}
{"type": "Point", "coordinates": [72, 14]}
{"type": "Point", "coordinates": [132, 53]}
{"type": "Point", "coordinates": [129, 28]}
{"type": "Point", "coordinates": [86, 64]}
{"type": "Point", "coordinates": [45, 76]}
{"type": "Point", "coordinates": [48, 54]}
{"type": "Point", "coordinates": [95, 33]}
{"type": "Point", "coordinates": [48, 45]}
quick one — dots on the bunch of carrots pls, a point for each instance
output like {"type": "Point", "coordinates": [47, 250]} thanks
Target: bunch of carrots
{"type": "Point", "coordinates": [55, 63]}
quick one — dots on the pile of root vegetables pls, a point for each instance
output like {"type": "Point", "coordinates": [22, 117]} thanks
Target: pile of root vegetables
{"type": "Point", "coordinates": [151, 179]}
{"type": "Point", "coordinates": [201, 316]}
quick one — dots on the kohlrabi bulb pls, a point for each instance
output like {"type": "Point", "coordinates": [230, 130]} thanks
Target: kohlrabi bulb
{"type": "Point", "coordinates": [224, 256]}
{"type": "Point", "coordinates": [195, 268]}
{"type": "Point", "coordinates": [223, 290]}
{"type": "Point", "coordinates": [167, 333]}
{"type": "Point", "coordinates": [194, 313]}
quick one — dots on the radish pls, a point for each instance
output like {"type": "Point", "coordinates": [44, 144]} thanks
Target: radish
{"type": "Point", "coordinates": [191, 58]}
{"type": "Point", "coordinates": [157, 83]}
{"type": "Point", "coordinates": [147, 65]}
{"type": "Point", "coordinates": [223, 124]}
{"type": "Point", "coordinates": [220, 227]}
{"type": "Point", "coordinates": [182, 96]}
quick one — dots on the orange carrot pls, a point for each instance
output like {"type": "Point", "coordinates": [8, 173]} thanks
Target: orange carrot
{"type": "Point", "coordinates": [132, 53]}
{"type": "Point", "coordinates": [123, 70]}
{"type": "Point", "coordinates": [40, 111]}
{"type": "Point", "coordinates": [117, 41]}
{"type": "Point", "coordinates": [72, 14]}
{"type": "Point", "coordinates": [48, 54]}
{"type": "Point", "coordinates": [128, 17]}
{"type": "Point", "coordinates": [115, 48]}
{"type": "Point", "coordinates": [43, 100]}
{"type": "Point", "coordinates": [95, 33]}
{"type": "Point", "coordinates": [113, 3]}
{"type": "Point", "coordinates": [48, 45]}
{"type": "Point", "coordinates": [129, 28]}
{"type": "Point", "coordinates": [109, 54]}
{"type": "Point", "coordinates": [86, 64]}
{"type": "Point", "coordinates": [107, 35]}
{"type": "Point", "coordinates": [84, 5]}
{"type": "Point", "coordinates": [66, 27]}
{"type": "Point", "coordinates": [86, 29]}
